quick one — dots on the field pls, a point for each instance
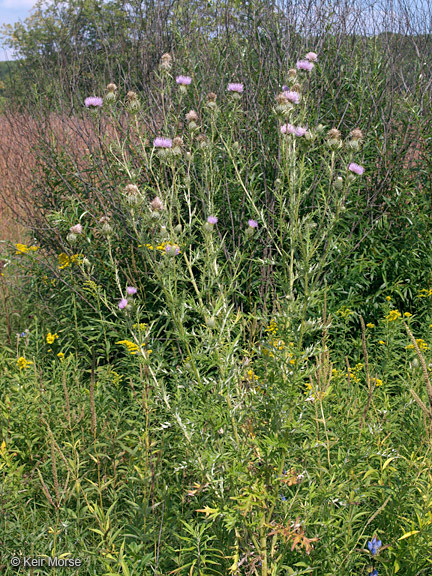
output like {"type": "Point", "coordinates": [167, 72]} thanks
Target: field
{"type": "Point", "coordinates": [216, 291]}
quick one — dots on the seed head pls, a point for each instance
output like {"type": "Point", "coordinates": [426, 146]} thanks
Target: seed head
{"type": "Point", "coordinates": [334, 134]}
{"type": "Point", "coordinates": [356, 134]}
{"type": "Point", "coordinates": [192, 116]}
{"type": "Point", "coordinates": [156, 205]}
{"type": "Point", "coordinates": [77, 229]}
{"type": "Point", "coordinates": [111, 87]}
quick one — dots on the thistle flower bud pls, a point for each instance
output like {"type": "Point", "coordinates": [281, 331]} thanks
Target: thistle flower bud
{"type": "Point", "coordinates": [211, 97]}
{"type": "Point", "coordinates": [334, 141]}
{"type": "Point", "coordinates": [356, 134]}
{"type": "Point", "coordinates": [106, 228]}
{"type": "Point", "coordinates": [163, 231]}
{"type": "Point", "coordinates": [338, 183]}
{"type": "Point", "coordinates": [296, 87]}
{"type": "Point", "coordinates": [192, 126]}
{"type": "Point", "coordinates": [132, 102]}
{"type": "Point", "coordinates": [211, 322]}
{"type": "Point", "coordinates": [320, 128]}
{"type": "Point", "coordinates": [334, 134]}
{"type": "Point", "coordinates": [191, 116]}
{"type": "Point", "coordinates": [178, 229]}
{"type": "Point", "coordinates": [202, 140]}
{"type": "Point", "coordinates": [165, 62]}
{"type": "Point", "coordinates": [156, 205]}
{"type": "Point", "coordinates": [77, 229]}
{"type": "Point", "coordinates": [111, 95]}
{"type": "Point", "coordinates": [71, 238]}
{"type": "Point", "coordinates": [132, 195]}
{"type": "Point", "coordinates": [292, 73]}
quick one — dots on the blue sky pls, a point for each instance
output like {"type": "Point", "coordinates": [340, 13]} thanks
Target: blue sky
{"type": "Point", "coordinates": [12, 11]}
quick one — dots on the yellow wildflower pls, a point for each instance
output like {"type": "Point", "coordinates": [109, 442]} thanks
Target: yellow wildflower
{"type": "Point", "coordinates": [393, 315]}
{"type": "Point", "coordinates": [377, 382]}
{"type": "Point", "coordinates": [407, 315]}
{"type": "Point", "coordinates": [252, 376]}
{"type": "Point", "coordinates": [24, 249]}
{"type": "Point", "coordinates": [344, 312]}
{"type": "Point", "coordinates": [388, 298]}
{"type": "Point", "coordinates": [23, 363]}
{"type": "Point", "coordinates": [272, 327]}
{"type": "Point", "coordinates": [61, 355]}
{"type": "Point", "coordinates": [381, 342]}
{"type": "Point", "coordinates": [424, 293]}
{"type": "Point", "coordinates": [370, 325]}
{"type": "Point", "coordinates": [63, 261]}
{"type": "Point", "coordinates": [420, 343]}
{"type": "Point", "coordinates": [51, 337]}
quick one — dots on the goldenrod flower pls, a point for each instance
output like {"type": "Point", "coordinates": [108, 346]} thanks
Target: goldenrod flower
{"type": "Point", "coordinates": [370, 325]}
{"type": "Point", "coordinates": [63, 261]}
{"type": "Point", "coordinates": [61, 355]}
{"type": "Point", "coordinates": [23, 363]}
{"type": "Point", "coordinates": [393, 315]}
{"type": "Point", "coordinates": [51, 337]}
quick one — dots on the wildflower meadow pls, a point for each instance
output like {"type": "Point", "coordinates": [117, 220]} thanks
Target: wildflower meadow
{"type": "Point", "coordinates": [216, 333]}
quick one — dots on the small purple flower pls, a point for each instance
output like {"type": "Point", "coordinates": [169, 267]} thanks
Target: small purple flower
{"type": "Point", "coordinates": [234, 87]}
{"type": "Point", "coordinates": [162, 142]}
{"type": "Point", "coordinates": [93, 102]}
{"type": "Point", "coordinates": [374, 572]}
{"type": "Point", "coordinates": [172, 249]}
{"type": "Point", "coordinates": [212, 220]}
{"type": "Point", "coordinates": [283, 498]}
{"type": "Point", "coordinates": [311, 56]}
{"type": "Point", "coordinates": [252, 223]}
{"type": "Point", "coordinates": [292, 96]}
{"type": "Point", "coordinates": [305, 65]}
{"type": "Point", "coordinates": [374, 546]}
{"type": "Point", "coordinates": [288, 129]}
{"type": "Point", "coordinates": [184, 80]}
{"type": "Point", "coordinates": [23, 335]}
{"type": "Point", "coordinates": [353, 167]}
{"type": "Point", "coordinates": [123, 303]}
{"type": "Point", "coordinates": [300, 131]}
{"type": "Point", "coordinates": [131, 290]}
{"type": "Point", "coordinates": [285, 88]}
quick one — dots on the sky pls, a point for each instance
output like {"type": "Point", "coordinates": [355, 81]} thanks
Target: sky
{"type": "Point", "coordinates": [12, 11]}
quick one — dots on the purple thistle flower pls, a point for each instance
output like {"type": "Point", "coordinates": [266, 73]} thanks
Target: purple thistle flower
{"type": "Point", "coordinates": [293, 97]}
{"type": "Point", "coordinates": [305, 65]}
{"type": "Point", "coordinates": [234, 87]}
{"type": "Point", "coordinates": [300, 131]}
{"type": "Point", "coordinates": [252, 223]}
{"type": "Point", "coordinates": [356, 168]}
{"type": "Point", "coordinates": [123, 303]}
{"type": "Point", "coordinates": [212, 220]}
{"type": "Point", "coordinates": [285, 88]}
{"type": "Point", "coordinates": [288, 129]}
{"type": "Point", "coordinates": [311, 56]}
{"type": "Point", "coordinates": [184, 80]}
{"type": "Point", "coordinates": [374, 546]}
{"type": "Point", "coordinates": [162, 142]}
{"type": "Point", "coordinates": [131, 290]}
{"type": "Point", "coordinates": [93, 102]}
{"type": "Point", "coordinates": [172, 249]}
{"type": "Point", "coordinates": [77, 229]}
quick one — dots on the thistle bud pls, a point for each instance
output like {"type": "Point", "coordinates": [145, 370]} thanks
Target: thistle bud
{"type": "Point", "coordinates": [111, 92]}
{"type": "Point", "coordinates": [292, 73]}
{"type": "Point", "coordinates": [132, 102]}
{"type": "Point", "coordinates": [338, 183]}
{"type": "Point", "coordinates": [156, 205]}
{"type": "Point", "coordinates": [191, 116]}
{"type": "Point", "coordinates": [211, 322]}
{"type": "Point", "coordinates": [166, 62]}
{"type": "Point", "coordinates": [334, 141]}
{"type": "Point", "coordinates": [71, 238]}
{"type": "Point", "coordinates": [178, 229]}
{"type": "Point", "coordinates": [106, 228]}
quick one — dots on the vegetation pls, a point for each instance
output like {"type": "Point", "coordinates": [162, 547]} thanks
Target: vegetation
{"type": "Point", "coordinates": [216, 339]}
